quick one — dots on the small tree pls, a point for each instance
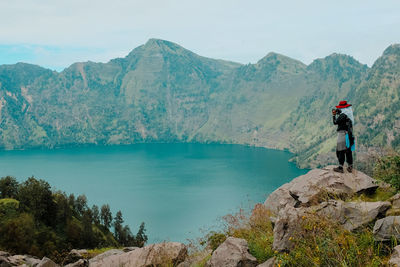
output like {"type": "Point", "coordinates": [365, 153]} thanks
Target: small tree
{"type": "Point", "coordinates": [106, 216]}
{"type": "Point", "coordinates": [118, 221]}
{"type": "Point", "coordinates": [141, 237]}
{"type": "Point", "coordinates": [8, 187]}
{"type": "Point", "coordinates": [96, 214]}
{"type": "Point", "coordinates": [81, 204]}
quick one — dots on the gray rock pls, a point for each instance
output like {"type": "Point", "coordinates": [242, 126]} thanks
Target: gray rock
{"type": "Point", "coordinates": [269, 263]}
{"type": "Point", "coordinates": [16, 260]}
{"type": "Point", "coordinates": [287, 223]}
{"type": "Point", "coordinates": [127, 249]}
{"type": "Point", "coordinates": [234, 252]}
{"type": "Point", "coordinates": [386, 228]}
{"type": "Point", "coordinates": [395, 257]}
{"type": "Point", "coordinates": [395, 200]}
{"type": "Point", "coordinates": [4, 262]}
{"type": "Point", "coordinates": [155, 254]}
{"type": "Point", "coordinates": [194, 260]}
{"type": "Point", "coordinates": [32, 261]}
{"type": "Point", "coordinates": [73, 256]}
{"type": "Point", "coordinates": [318, 185]}
{"type": "Point", "coordinates": [5, 254]}
{"type": "Point", "coordinates": [79, 263]}
{"type": "Point", "coordinates": [46, 262]}
{"type": "Point", "coordinates": [352, 215]}
{"type": "Point", "coordinates": [106, 254]}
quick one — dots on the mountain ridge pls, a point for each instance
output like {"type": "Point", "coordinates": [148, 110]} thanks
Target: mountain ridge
{"type": "Point", "coordinates": [162, 92]}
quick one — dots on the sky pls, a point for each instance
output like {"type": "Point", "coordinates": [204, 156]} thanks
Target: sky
{"type": "Point", "coordinates": [55, 34]}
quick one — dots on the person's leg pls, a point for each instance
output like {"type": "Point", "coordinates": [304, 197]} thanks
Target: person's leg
{"type": "Point", "coordinates": [341, 156]}
{"type": "Point", "coordinates": [349, 160]}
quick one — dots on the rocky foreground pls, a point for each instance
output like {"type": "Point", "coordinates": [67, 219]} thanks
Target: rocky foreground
{"type": "Point", "coordinates": [320, 191]}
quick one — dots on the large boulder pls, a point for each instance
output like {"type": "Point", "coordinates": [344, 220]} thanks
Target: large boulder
{"type": "Point", "coordinates": [395, 257]}
{"type": "Point", "coordinates": [152, 255]}
{"type": "Point", "coordinates": [352, 215]}
{"type": "Point", "coordinates": [386, 228]}
{"type": "Point", "coordinates": [319, 185]}
{"type": "Point", "coordinates": [234, 252]}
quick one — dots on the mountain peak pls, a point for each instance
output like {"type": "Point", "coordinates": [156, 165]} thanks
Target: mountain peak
{"type": "Point", "coordinates": [392, 49]}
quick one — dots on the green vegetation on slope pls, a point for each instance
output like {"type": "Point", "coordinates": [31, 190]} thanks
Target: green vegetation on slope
{"type": "Point", "coordinates": [162, 92]}
{"type": "Point", "coordinates": [36, 221]}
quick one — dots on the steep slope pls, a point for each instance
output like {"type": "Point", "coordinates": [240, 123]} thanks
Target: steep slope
{"type": "Point", "coordinates": [254, 100]}
{"type": "Point", "coordinates": [312, 133]}
{"type": "Point", "coordinates": [378, 105]}
{"type": "Point", "coordinates": [162, 92]}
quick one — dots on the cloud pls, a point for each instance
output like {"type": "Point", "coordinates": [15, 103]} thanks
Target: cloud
{"type": "Point", "coordinates": [236, 30]}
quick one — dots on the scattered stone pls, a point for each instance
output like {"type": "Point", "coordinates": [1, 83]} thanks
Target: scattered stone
{"type": "Point", "coordinates": [5, 254]}
{"type": "Point", "coordinates": [386, 228]}
{"type": "Point", "coordinates": [4, 262]}
{"type": "Point", "coordinates": [16, 260]}
{"type": "Point", "coordinates": [395, 200]}
{"type": "Point", "coordinates": [352, 215]}
{"type": "Point", "coordinates": [73, 256]}
{"type": "Point", "coordinates": [106, 254]}
{"type": "Point", "coordinates": [127, 249]}
{"type": "Point", "coordinates": [269, 263]}
{"type": "Point", "coordinates": [79, 263]}
{"type": "Point", "coordinates": [46, 262]}
{"type": "Point", "coordinates": [317, 186]}
{"type": "Point", "coordinates": [32, 261]}
{"type": "Point", "coordinates": [155, 254]}
{"type": "Point", "coordinates": [395, 258]}
{"type": "Point", "coordinates": [234, 252]}
{"type": "Point", "coordinates": [194, 260]}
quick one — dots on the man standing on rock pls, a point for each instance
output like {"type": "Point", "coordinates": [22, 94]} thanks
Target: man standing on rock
{"type": "Point", "coordinates": [345, 140]}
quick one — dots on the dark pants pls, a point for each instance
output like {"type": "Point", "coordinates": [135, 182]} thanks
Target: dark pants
{"type": "Point", "coordinates": [341, 155]}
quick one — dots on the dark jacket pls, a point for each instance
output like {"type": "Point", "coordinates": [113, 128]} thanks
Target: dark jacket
{"type": "Point", "coordinates": [344, 123]}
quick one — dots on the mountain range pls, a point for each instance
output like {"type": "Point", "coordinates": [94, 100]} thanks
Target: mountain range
{"type": "Point", "coordinates": [162, 92]}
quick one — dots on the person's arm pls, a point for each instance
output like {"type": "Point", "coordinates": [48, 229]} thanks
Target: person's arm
{"type": "Point", "coordinates": [340, 119]}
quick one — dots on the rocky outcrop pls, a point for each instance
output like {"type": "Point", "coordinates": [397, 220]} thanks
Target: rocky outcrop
{"type": "Point", "coordinates": [395, 257]}
{"type": "Point", "coordinates": [151, 255]}
{"type": "Point", "coordinates": [386, 228]}
{"type": "Point", "coordinates": [317, 186]}
{"type": "Point", "coordinates": [319, 192]}
{"type": "Point", "coordinates": [234, 252]}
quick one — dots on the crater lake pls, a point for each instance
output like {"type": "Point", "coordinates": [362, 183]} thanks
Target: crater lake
{"type": "Point", "coordinates": [178, 190]}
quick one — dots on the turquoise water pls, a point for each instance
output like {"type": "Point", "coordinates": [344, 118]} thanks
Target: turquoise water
{"type": "Point", "coordinates": [176, 189]}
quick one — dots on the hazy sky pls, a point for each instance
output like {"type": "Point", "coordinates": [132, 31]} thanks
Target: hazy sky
{"type": "Point", "coordinates": [56, 33]}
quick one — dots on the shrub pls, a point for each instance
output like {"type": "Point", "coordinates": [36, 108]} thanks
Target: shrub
{"type": "Point", "coordinates": [387, 169]}
{"type": "Point", "coordinates": [321, 242]}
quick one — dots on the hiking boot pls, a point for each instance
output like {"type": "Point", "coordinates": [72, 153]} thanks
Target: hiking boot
{"type": "Point", "coordinates": [338, 169]}
{"type": "Point", "coordinates": [350, 168]}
